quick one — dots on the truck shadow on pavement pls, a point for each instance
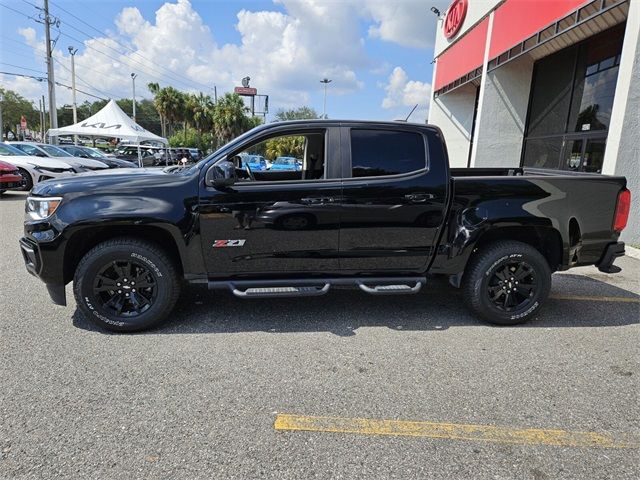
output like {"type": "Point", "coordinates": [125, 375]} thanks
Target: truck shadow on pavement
{"type": "Point", "coordinates": [342, 311]}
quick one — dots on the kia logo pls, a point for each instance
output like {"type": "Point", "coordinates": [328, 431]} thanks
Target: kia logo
{"type": "Point", "coordinates": [455, 16]}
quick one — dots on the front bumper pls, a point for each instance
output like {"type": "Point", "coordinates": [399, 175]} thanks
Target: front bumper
{"type": "Point", "coordinates": [32, 256]}
{"type": "Point", "coordinates": [613, 251]}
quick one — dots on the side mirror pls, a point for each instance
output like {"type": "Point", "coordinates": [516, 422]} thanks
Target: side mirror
{"type": "Point", "coordinates": [222, 174]}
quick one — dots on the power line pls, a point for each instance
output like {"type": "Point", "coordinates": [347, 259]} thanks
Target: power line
{"type": "Point", "coordinates": [175, 76]}
{"type": "Point", "coordinates": [23, 68]}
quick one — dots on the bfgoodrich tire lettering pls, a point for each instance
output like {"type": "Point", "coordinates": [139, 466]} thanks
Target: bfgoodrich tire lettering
{"type": "Point", "coordinates": [125, 285]}
{"type": "Point", "coordinates": [506, 282]}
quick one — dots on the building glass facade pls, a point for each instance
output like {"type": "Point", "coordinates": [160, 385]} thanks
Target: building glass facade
{"type": "Point", "coordinates": [570, 106]}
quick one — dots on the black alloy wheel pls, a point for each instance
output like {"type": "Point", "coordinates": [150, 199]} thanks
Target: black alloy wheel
{"type": "Point", "coordinates": [512, 286]}
{"type": "Point", "coordinates": [126, 284]}
{"type": "Point", "coordinates": [506, 282]}
{"type": "Point", "coordinates": [127, 288]}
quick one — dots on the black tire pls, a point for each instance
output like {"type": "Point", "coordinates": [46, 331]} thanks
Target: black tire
{"type": "Point", "coordinates": [27, 181]}
{"type": "Point", "coordinates": [506, 282]}
{"type": "Point", "coordinates": [99, 286]}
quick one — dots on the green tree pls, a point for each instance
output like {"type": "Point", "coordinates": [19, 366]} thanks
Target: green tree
{"type": "Point", "coordinates": [289, 146]}
{"type": "Point", "coordinates": [229, 117]}
{"type": "Point", "coordinates": [300, 113]}
{"type": "Point", "coordinates": [13, 107]}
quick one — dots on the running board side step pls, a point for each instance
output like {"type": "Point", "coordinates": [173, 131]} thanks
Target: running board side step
{"type": "Point", "coordinates": [390, 289]}
{"type": "Point", "coordinates": [313, 287]}
{"type": "Point", "coordinates": [269, 292]}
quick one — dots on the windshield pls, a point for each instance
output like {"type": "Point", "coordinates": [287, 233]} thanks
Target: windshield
{"type": "Point", "coordinates": [93, 153]}
{"type": "Point", "coordinates": [285, 161]}
{"type": "Point", "coordinates": [8, 150]}
{"type": "Point", "coordinates": [55, 151]}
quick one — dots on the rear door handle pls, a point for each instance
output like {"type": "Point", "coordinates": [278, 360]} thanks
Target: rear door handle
{"type": "Point", "coordinates": [419, 197]}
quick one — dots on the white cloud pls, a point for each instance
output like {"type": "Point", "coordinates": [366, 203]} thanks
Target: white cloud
{"type": "Point", "coordinates": [406, 22]}
{"type": "Point", "coordinates": [402, 93]}
{"type": "Point", "coordinates": [286, 52]}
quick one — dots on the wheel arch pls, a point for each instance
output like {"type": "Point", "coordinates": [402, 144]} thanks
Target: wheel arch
{"type": "Point", "coordinates": [85, 239]}
{"type": "Point", "coordinates": [547, 240]}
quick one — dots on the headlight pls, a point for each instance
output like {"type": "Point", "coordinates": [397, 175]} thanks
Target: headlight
{"type": "Point", "coordinates": [39, 208]}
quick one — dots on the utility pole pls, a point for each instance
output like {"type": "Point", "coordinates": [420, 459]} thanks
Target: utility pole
{"type": "Point", "coordinates": [41, 117]}
{"type": "Point", "coordinates": [44, 118]}
{"type": "Point", "coordinates": [53, 113]}
{"type": "Point", "coordinates": [326, 82]}
{"type": "Point", "coordinates": [133, 79]}
{"type": "Point", "coordinates": [1, 122]}
{"type": "Point", "coordinates": [73, 51]}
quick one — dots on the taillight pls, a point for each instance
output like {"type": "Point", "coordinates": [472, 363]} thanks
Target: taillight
{"type": "Point", "coordinates": [622, 210]}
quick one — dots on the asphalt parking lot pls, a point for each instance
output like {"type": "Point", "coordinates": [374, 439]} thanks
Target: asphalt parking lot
{"type": "Point", "coordinates": [341, 386]}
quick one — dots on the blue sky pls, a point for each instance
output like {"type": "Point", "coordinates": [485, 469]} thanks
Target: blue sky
{"type": "Point", "coordinates": [377, 52]}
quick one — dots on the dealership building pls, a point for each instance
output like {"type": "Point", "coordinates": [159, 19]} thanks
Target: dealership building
{"type": "Point", "coordinates": [542, 84]}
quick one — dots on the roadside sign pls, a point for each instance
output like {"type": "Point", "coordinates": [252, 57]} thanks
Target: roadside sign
{"type": "Point", "coordinates": [246, 90]}
{"type": "Point", "coordinates": [23, 122]}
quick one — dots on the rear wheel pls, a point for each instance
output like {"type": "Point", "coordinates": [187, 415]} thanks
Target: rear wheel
{"type": "Point", "coordinates": [506, 283]}
{"type": "Point", "coordinates": [125, 285]}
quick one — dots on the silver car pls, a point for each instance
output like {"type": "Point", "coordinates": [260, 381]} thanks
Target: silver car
{"type": "Point", "coordinates": [46, 150]}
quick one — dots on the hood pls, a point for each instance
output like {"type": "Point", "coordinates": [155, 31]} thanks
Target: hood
{"type": "Point", "coordinates": [119, 181]}
{"type": "Point", "coordinates": [43, 162]}
{"type": "Point", "coordinates": [83, 162]}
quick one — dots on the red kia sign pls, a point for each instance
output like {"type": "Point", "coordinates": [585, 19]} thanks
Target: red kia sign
{"type": "Point", "coordinates": [23, 122]}
{"type": "Point", "coordinates": [245, 91]}
{"type": "Point", "coordinates": [455, 16]}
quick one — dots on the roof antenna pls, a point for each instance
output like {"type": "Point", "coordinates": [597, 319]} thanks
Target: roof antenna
{"type": "Point", "coordinates": [411, 113]}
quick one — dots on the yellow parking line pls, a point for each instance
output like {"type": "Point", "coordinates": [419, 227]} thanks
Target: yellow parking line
{"type": "Point", "coordinates": [453, 431]}
{"type": "Point", "coordinates": [595, 299]}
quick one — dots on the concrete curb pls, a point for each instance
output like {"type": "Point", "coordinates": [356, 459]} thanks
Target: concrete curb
{"type": "Point", "coordinates": [632, 252]}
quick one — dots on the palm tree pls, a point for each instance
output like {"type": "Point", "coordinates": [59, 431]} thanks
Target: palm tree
{"type": "Point", "coordinates": [229, 117]}
{"type": "Point", "coordinates": [155, 89]}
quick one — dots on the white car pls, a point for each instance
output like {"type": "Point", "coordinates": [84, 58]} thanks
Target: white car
{"type": "Point", "coordinates": [35, 169]}
{"type": "Point", "coordinates": [46, 150]}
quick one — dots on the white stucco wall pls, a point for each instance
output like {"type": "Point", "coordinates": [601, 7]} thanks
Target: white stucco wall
{"type": "Point", "coordinates": [622, 156]}
{"type": "Point", "coordinates": [501, 121]}
{"type": "Point", "coordinates": [476, 10]}
{"type": "Point", "coordinates": [453, 113]}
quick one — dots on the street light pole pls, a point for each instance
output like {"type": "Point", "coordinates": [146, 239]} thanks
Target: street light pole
{"type": "Point", "coordinates": [326, 81]}
{"type": "Point", "coordinates": [73, 51]}
{"type": "Point", "coordinates": [133, 80]}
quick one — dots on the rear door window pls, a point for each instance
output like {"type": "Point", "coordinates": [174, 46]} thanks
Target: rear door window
{"type": "Point", "coordinates": [377, 153]}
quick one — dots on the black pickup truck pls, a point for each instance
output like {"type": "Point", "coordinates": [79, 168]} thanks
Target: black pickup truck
{"type": "Point", "coordinates": [375, 206]}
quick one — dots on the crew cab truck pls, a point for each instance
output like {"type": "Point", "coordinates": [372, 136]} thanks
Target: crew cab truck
{"type": "Point", "coordinates": [375, 206]}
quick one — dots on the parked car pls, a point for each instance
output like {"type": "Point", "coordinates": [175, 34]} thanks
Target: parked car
{"type": "Point", "coordinates": [34, 169]}
{"type": "Point", "coordinates": [52, 151]}
{"type": "Point", "coordinates": [130, 153]}
{"type": "Point", "coordinates": [10, 178]}
{"type": "Point", "coordinates": [196, 154]}
{"type": "Point", "coordinates": [86, 152]}
{"type": "Point", "coordinates": [256, 163]}
{"type": "Point", "coordinates": [129, 240]}
{"type": "Point", "coordinates": [286, 164]}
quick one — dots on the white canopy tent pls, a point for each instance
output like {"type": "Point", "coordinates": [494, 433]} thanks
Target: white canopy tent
{"type": "Point", "coordinates": [111, 121]}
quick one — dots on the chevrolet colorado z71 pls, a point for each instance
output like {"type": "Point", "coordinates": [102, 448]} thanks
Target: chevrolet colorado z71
{"type": "Point", "coordinates": [375, 205]}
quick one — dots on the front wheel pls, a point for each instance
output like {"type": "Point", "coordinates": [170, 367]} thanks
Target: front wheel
{"type": "Point", "coordinates": [27, 181]}
{"type": "Point", "coordinates": [126, 285]}
{"type": "Point", "coordinates": [506, 282]}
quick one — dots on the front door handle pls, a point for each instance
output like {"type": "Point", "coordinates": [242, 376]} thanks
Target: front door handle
{"type": "Point", "coordinates": [419, 197]}
{"type": "Point", "coordinates": [317, 200]}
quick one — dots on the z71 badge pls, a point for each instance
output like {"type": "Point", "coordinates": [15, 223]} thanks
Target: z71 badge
{"type": "Point", "coordinates": [228, 243]}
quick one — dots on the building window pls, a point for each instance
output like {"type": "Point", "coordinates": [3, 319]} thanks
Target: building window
{"type": "Point", "coordinates": [571, 101]}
